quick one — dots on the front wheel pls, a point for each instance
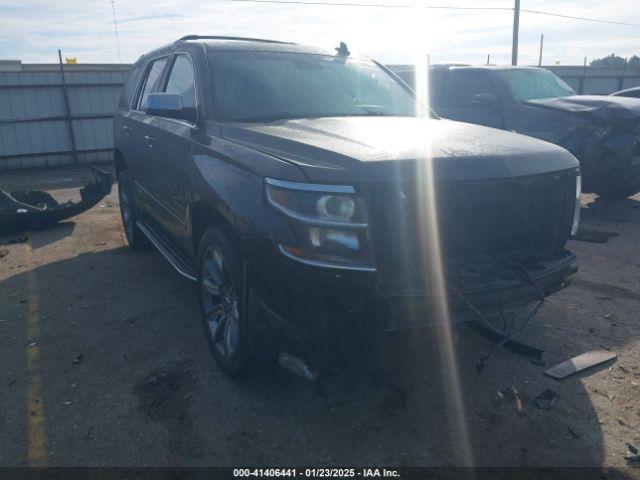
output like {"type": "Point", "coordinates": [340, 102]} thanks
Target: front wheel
{"type": "Point", "coordinates": [220, 289]}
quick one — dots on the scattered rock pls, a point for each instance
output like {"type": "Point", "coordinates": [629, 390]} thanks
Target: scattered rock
{"type": "Point", "coordinates": [546, 399]}
{"type": "Point", "coordinates": [3, 252]}
{"type": "Point", "coordinates": [77, 359]}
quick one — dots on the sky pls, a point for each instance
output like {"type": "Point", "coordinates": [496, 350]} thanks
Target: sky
{"type": "Point", "coordinates": [33, 30]}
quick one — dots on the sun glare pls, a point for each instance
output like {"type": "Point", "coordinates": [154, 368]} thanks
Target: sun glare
{"type": "Point", "coordinates": [433, 264]}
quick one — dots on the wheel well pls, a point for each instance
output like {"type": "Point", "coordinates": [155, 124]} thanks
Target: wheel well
{"type": "Point", "coordinates": [120, 164]}
{"type": "Point", "coordinates": [204, 216]}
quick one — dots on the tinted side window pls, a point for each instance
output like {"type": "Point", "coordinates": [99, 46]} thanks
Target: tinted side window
{"type": "Point", "coordinates": [457, 88]}
{"type": "Point", "coordinates": [182, 81]}
{"type": "Point", "coordinates": [152, 83]}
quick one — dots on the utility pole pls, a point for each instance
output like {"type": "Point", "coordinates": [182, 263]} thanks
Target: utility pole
{"type": "Point", "coordinates": [516, 28]}
{"type": "Point", "coordinates": [541, 44]}
{"type": "Point", "coordinates": [115, 27]}
{"type": "Point", "coordinates": [488, 58]}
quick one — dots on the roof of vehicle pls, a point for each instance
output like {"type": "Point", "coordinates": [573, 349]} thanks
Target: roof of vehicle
{"type": "Point", "coordinates": [218, 43]}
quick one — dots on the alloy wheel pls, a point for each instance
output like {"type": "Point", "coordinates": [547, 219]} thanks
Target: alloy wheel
{"type": "Point", "coordinates": [220, 302]}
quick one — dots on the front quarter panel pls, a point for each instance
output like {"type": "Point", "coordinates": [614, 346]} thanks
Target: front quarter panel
{"type": "Point", "coordinates": [237, 192]}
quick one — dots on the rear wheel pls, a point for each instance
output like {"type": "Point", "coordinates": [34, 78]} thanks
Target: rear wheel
{"type": "Point", "coordinates": [221, 301]}
{"type": "Point", "coordinates": [128, 212]}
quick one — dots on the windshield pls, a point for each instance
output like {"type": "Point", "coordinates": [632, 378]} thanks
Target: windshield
{"type": "Point", "coordinates": [533, 84]}
{"type": "Point", "coordinates": [264, 86]}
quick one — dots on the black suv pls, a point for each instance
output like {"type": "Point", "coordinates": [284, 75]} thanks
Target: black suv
{"type": "Point", "coordinates": [603, 132]}
{"type": "Point", "coordinates": [311, 202]}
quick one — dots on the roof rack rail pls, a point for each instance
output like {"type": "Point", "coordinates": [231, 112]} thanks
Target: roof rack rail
{"type": "Point", "coordinates": [219, 37]}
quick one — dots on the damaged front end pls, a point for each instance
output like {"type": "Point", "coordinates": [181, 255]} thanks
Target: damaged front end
{"type": "Point", "coordinates": [609, 155]}
{"type": "Point", "coordinates": [35, 209]}
{"type": "Point", "coordinates": [604, 135]}
{"type": "Point", "coordinates": [502, 248]}
{"type": "Point", "coordinates": [501, 253]}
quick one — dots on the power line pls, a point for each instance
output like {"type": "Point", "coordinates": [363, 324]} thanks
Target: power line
{"type": "Point", "coordinates": [380, 5]}
{"type": "Point", "coordinates": [599, 20]}
{"type": "Point", "coordinates": [438, 7]}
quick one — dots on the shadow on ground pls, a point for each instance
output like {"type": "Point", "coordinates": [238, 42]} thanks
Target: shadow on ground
{"type": "Point", "coordinates": [146, 391]}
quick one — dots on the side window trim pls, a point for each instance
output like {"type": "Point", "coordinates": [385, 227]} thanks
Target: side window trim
{"type": "Point", "coordinates": [138, 97]}
{"type": "Point", "coordinates": [165, 82]}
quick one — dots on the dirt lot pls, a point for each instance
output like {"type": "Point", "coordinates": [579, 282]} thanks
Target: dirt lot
{"type": "Point", "coordinates": [103, 362]}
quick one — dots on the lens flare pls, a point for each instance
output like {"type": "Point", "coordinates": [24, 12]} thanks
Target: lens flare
{"type": "Point", "coordinates": [433, 263]}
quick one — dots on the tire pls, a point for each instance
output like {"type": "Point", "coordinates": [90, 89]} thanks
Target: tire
{"type": "Point", "coordinates": [620, 193]}
{"type": "Point", "coordinates": [128, 213]}
{"type": "Point", "coordinates": [222, 303]}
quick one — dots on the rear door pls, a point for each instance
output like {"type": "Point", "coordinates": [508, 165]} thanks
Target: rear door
{"type": "Point", "coordinates": [123, 124]}
{"type": "Point", "coordinates": [452, 92]}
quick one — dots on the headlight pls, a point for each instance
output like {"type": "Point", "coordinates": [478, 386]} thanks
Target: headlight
{"type": "Point", "coordinates": [330, 221]}
{"type": "Point", "coordinates": [576, 209]}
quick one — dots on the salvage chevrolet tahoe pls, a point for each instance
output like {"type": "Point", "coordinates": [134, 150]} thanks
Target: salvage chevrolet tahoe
{"type": "Point", "coordinates": [310, 202]}
{"type": "Point", "coordinates": [603, 132]}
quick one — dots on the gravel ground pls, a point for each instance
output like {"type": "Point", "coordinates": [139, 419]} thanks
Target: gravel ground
{"type": "Point", "coordinates": [103, 362]}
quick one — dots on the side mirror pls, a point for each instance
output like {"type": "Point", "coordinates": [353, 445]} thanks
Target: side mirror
{"type": "Point", "coordinates": [168, 105]}
{"type": "Point", "coordinates": [486, 100]}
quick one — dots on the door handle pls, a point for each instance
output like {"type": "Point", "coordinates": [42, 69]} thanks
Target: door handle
{"type": "Point", "coordinates": [126, 129]}
{"type": "Point", "coordinates": [151, 141]}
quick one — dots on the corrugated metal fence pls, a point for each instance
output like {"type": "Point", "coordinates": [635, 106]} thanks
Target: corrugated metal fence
{"type": "Point", "coordinates": [598, 81]}
{"type": "Point", "coordinates": [36, 128]}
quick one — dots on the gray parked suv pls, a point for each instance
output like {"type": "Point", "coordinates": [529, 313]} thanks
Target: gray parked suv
{"type": "Point", "coordinates": [313, 208]}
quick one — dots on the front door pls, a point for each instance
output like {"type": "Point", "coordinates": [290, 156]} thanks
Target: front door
{"type": "Point", "coordinates": [172, 149]}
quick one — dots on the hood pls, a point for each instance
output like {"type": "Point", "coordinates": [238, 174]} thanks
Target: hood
{"type": "Point", "coordinates": [604, 109]}
{"type": "Point", "coordinates": [382, 149]}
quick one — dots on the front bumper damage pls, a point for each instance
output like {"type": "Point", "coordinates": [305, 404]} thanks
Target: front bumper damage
{"type": "Point", "coordinates": [608, 163]}
{"type": "Point", "coordinates": [324, 313]}
{"type": "Point", "coordinates": [34, 209]}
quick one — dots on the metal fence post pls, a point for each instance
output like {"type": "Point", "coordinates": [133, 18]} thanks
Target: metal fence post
{"type": "Point", "coordinates": [583, 77]}
{"type": "Point", "coordinates": [72, 136]}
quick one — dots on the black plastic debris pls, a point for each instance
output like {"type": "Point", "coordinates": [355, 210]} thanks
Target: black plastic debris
{"type": "Point", "coordinates": [546, 399]}
{"type": "Point", "coordinates": [32, 209]}
{"type": "Point", "coordinates": [633, 457]}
